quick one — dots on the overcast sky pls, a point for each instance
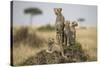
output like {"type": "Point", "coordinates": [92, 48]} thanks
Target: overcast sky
{"type": "Point", "coordinates": [70, 11]}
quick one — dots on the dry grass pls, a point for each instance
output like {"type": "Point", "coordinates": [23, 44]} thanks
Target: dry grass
{"type": "Point", "coordinates": [73, 53]}
{"type": "Point", "coordinates": [26, 43]}
{"type": "Point", "coordinates": [86, 37]}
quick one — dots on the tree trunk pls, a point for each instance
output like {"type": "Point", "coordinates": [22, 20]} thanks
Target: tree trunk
{"type": "Point", "coordinates": [31, 20]}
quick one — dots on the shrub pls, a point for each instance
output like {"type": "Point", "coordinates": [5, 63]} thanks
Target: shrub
{"type": "Point", "coordinates": [23, 36]}
{"type": "Point", "coordinates": [47, 27]}
{"type": "Point", "coordinates": [20, 35]}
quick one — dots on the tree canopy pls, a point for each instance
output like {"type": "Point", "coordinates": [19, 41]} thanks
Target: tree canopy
{"type": "Point", "coordinates": [32, 11]}
{"type": "Point", "coordinates": [81, 19]}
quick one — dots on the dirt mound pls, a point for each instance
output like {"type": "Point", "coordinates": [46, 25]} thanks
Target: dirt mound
{"type": "Point", "coordinates": [74, 54]}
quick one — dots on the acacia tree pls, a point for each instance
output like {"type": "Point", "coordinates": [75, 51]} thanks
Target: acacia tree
{"type": "Point", "coordinates": [32, 12]}
{"type": "Point", "coordinates": [81, 20]}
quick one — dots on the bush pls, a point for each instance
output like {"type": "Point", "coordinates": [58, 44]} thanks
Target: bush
{"type": "Point", "coordinates": [20, 35]}
{"type": "Point", "coordinates": [47, 27]}
{"type": "Point", "coordinates": [23, 36]}
{"type": "Point", "coordinates": [34, 40]}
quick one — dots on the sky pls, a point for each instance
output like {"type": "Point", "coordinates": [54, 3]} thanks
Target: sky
{"type": "Point", "coordinates": [70, 11]}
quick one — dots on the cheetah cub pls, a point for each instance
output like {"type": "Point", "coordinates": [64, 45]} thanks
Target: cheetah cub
{"type": "Point", "coordinates": [52, 47]}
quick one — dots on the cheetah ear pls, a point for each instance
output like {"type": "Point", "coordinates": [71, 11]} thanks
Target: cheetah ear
{"type": "Point", "coordinates": [60, 9]}
{"type": "Point", "coordinates": [55, 9]}
{"type": "Point", "coordinates": [76, 24]}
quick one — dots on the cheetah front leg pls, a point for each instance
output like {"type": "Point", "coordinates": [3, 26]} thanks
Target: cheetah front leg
{"type": "Point", "coordinates": [62, 52]}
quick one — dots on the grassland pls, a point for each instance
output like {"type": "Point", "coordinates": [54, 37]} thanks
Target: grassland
{"type": "Point", "coordinates": [88, 39]}
{"type": "Point", "coordinates": [25, 49]}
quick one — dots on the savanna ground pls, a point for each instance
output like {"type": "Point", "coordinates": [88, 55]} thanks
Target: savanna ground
{"type": "Point", "coordinates": [29, 42]}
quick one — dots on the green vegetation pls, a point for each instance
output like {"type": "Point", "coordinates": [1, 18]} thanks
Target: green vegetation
{"type": "Point", "coordinates": [33, 12]}
{"type": "Point", "coordinates": [47, 28]}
